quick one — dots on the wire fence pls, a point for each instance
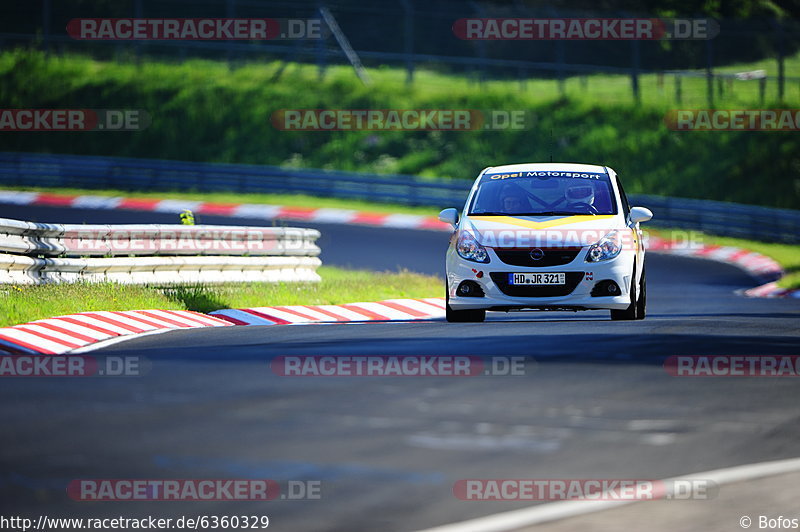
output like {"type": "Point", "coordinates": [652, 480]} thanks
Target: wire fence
{"type": "Point", "coordinates": [412, 34]}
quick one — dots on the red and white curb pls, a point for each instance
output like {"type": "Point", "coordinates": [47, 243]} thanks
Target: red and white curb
{"type": "Point", "coordinates": [771, 290]}
{"type": "Point", "coordinates": [234, 210]}
{"type": "Point", "coordinates": [388, 310]}
{"type": "Point", "coordinates": [761, 267]}
{"type": "Point", "coordinates": [65, 334]}
{"type": "Point", "coordinates": [79, 332]}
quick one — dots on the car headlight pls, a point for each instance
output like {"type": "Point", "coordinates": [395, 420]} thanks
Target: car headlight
{"type": "Point", "coordinates": [469, 248]}
{"type": "Point", "coordinates": [606, 248]}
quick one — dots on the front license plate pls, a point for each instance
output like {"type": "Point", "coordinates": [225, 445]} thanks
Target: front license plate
{"type": "Point", "coordinates": [536, 278]}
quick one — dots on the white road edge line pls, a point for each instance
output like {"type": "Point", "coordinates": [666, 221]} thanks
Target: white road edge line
{"type": "Point", "coordinates": [516, 519]}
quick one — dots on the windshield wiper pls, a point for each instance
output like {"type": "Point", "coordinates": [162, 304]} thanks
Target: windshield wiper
{"type": "Point", "coordinates": [546, 213]}
{"type": "Point", "coordinates": [553, 213]}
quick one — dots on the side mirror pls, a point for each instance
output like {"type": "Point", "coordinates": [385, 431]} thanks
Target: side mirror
{"type": "Point", "coordinates": [449, 216]}
{"type": "Point", "coordinates": [640, 214]}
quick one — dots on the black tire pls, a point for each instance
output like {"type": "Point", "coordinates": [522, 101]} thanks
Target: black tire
{"type": "Point", "coordinates": [641, 305]}
{"type": "Point", "coordinates": [637, 302]}
{"type": "Point", "coordinates": [463, 316]}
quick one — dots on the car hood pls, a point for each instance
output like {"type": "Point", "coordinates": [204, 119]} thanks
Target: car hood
{"type": "Point", "coordinates": [539, 231]}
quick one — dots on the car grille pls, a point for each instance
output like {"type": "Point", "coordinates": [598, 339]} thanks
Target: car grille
{"type": "Point", "coordinates": [501, 280]}
{"type": "Point", "coordinates": [551, 256]}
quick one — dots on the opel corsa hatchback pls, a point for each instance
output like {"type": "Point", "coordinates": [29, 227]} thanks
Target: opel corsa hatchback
{"type": "Point", "coordinates": [546, 236]}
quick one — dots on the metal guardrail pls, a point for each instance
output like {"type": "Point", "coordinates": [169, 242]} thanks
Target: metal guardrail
{"type": "Point", "coordinates": [31, 169]}
{"type": "Point", "coordinates": [723, 218]}
{"type": "Point", "coordinates": [31, 238]}
{"type": "Point", "coordinates": [157, 254]}
{"type": "Point", "coordinates": [20, 269]}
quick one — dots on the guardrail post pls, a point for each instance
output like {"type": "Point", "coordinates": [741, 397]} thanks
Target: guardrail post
{"type": "Point", "coordinates": [560, 60]}
{"type": "Point", "coordinates": [635, 63]}
{"type": "Point", "coordinates": [480, 44]}
{"type": "Point", "coordinates": [408, 40]}
{"type": "Point", "coordinates": [709, 74]}
{"type": "Point", "coordinates": [46, 5]}
{"type": "Point", "coordinates": [230, 12]}
{"type": "Point", "coordinates": [322, 50]}
{"type": "Point", "coordinates": [138, 12]}
{"type": "Point", "coordinates": [781, 73]}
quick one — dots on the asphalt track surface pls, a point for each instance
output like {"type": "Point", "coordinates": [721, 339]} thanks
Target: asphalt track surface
{"type": "Point", "coordinates": [594, 402]}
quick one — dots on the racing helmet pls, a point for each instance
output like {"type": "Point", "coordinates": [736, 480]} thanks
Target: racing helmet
{"type": "Point", "coordinates": [583, 193]}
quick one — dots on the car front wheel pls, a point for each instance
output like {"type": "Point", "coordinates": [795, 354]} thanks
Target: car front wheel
{"type": "Point", "coordinates": [638, 307]}
{"type": "Point", "coordinates": [463, 316]}
{"type": "Point", "coordinates": [641, 310]}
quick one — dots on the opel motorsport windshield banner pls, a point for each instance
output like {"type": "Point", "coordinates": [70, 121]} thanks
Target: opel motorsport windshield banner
{"type": "Point", "coordinates": [544, 174]}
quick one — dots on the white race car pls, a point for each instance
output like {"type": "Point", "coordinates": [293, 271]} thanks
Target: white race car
{"type": "Point", "coordinates": [546, 236]}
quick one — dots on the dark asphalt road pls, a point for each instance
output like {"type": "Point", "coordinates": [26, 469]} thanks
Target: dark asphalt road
{"type": "Point", "coordinates": [595, 402]}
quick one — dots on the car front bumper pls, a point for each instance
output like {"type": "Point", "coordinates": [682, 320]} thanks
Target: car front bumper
{"type": "Point", "coordinates": [584, 275]}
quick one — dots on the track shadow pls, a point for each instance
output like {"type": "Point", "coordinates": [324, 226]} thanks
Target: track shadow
{"type": "Point", "coordinates": [651, 348]}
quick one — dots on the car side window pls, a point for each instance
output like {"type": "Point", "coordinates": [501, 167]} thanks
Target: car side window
{"type": "Point", "coordinates": [625, 205]}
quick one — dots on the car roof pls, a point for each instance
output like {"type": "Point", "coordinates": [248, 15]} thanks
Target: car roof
{"type": "Point", "coordinates": [532, 167]}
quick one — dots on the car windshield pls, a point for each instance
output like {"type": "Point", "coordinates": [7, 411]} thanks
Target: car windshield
{"type": "Point", "coordinates": [544, 193]}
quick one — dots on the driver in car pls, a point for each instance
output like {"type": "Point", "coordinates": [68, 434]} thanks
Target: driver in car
{"type": "Point", "coordinates": [513, 200]}
{"type": "Point", "coordinates": [580, 197]}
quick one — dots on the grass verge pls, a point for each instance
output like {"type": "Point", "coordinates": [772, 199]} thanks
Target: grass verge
{"type": "Point", "coordinates": [21, 304]}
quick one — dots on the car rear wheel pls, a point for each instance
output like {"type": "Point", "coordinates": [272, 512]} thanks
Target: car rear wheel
{"type": "Point", "coordinates": [637, 309]}
{"type": "Point", "coordinates": [463, 316]}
